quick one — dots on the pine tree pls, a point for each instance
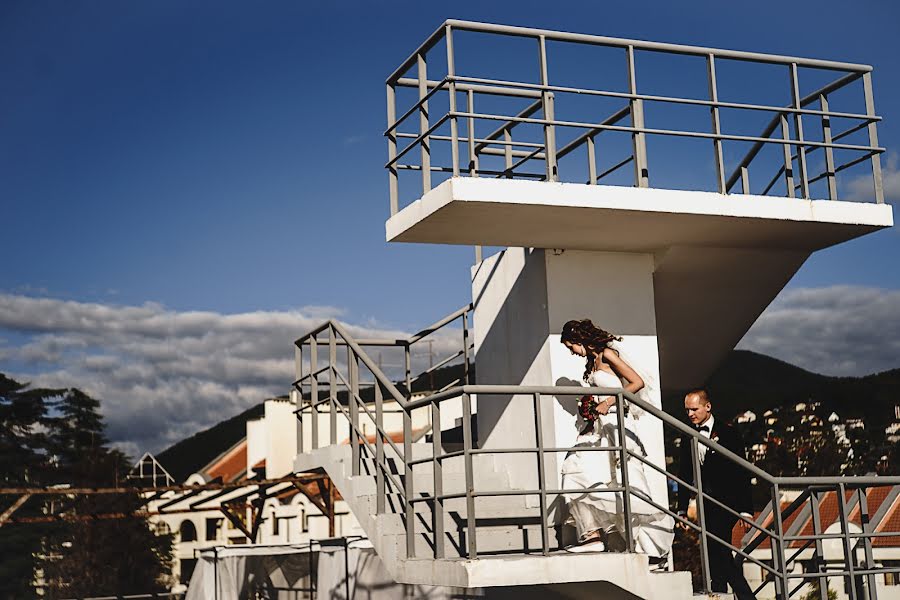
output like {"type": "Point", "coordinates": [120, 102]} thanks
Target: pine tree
{"type": "Point", "coordinates": [23, 463]}
{"type": "Point", "coordinates": [105, 556]}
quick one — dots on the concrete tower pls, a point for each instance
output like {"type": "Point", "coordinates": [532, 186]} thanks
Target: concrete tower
{"type": "Point", "coordinates": [708, 212]}
{"type": "Point", "coordinates": [666, 192]}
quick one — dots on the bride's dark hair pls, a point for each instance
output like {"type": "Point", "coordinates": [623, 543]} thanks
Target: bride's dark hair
{"type": "Point", "coordinates": [594, 340]}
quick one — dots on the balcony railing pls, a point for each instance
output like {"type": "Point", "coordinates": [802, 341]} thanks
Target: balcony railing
{"type": "Point", "coordinates": [531, 123]}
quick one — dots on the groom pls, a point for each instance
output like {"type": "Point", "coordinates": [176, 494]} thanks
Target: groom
{"type": "Point", "coordinates": [724, 481]}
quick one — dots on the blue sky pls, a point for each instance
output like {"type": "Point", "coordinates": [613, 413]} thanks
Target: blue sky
{"type": "Point", "coordinates": [227, 157]}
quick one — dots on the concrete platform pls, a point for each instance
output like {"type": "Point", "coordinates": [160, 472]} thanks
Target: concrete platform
{"type": "Point", "coordinates": [494, 212]}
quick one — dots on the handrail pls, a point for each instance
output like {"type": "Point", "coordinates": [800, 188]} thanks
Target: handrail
{"type": "Point", "coordinates": [440, 323]}
{"type": "Point", "coordinates": [549, 390]}
{"type": "Point", "coordinates": [598, 40]}
{"type": "Point", "coordinates": [379, 375]}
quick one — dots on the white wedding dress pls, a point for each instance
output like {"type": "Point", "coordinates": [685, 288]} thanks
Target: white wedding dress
{"type": "Point", "coordinates": [595, 471]}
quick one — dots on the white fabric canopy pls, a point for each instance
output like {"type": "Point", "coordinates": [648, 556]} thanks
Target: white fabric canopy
{"type": "Point", "coordinates": [239, 572]}
{"type": "Point", "coordinates": [278, 572]}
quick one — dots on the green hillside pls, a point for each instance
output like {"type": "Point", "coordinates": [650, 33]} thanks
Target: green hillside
{"type": "Point", "coordinates": [190, 454]}
{"type": "Point", "coordinates": [750, 381]}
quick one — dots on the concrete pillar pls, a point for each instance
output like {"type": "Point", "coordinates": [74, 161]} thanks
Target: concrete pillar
{"type": "Point", "coordinates": [522, 299]}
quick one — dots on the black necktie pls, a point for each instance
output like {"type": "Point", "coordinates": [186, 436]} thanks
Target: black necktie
{"type": "Point", "coordinates": [703, 428]}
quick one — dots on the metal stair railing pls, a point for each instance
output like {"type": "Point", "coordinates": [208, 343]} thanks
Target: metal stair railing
{"type": "Point", "coordinates": [348, 390]}
{"type": "Point", "coordinates": [772, 530]}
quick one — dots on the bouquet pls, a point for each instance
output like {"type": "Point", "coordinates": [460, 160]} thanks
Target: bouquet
{"type": "Point", "coordinates": [587, 408]}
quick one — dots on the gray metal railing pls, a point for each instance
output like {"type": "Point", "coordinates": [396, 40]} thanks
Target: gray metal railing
{"type": "Point", "coordinates": [395, 491]}
{"type": "Point", "coordinates": [457, 126]}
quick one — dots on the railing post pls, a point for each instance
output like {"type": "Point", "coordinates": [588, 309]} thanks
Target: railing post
{"type": "Point", "coordinates": [451, 86]}
{"type": "Point", "coordinates": [408, 367]}
{"type": "Point", "coordinates": [701, 515]}
{"type": "Point", "coordinates": [592, 161]}
{"type": "Point", "coordinates": [549, 116]}
{"type": "Point", "coordinates": [745, 180]}
{"type": "Point", "coordinates": [470, 127]}
{"type": "Point", "coordinates": [873, 138]}
{"type": "Point", "coordinates": [786, 149]}
{"type": "Point", "coordinates": [639, 142]}
{"type": "Point", "coordinates": [820, 550]}
{"type": "Point", "coordinates": [798, 127]}
{"type": "Point", "coordinates": [410, 508]}
{"type": "Point", "coordinates": [314, 390]}
{"type": "Point", "coordinates": [829, 151]}
{"type": "Point", "coordinates": [542, 477]}
{"type": "Point", "coordinates": [332, 391]}
{"type": "Point", "coordinates": [623, 466]}
{"type": "Point", "coordinates": [716, 124]}
{"type": "Point", "coordinates": [782, 585]}
{"type": "Point", "coordinates": [470, 476]}
{"type": "Point", "coordinates": [379, 449]}
{"type": "Point", "coordinates": [849, 551]}
{"type": "Point", "coordinates": [507, 153]}
{"type": "Point", "coordinates": [352, 399]}
{"type": "Point", "coordinates": [437, 510]}
{"type": "Point", "coordinates": [866, 527]}
{"type": "Point", "coordinates": [423, 123]}
{"type": "Point", "coordinates": [392, 148]}
{"type": "Point", "coordinates": [298, 375]}
{"type": "Point", "coordinates": [465, 320]}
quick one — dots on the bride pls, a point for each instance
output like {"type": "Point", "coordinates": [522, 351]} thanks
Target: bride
{"type": "Point", "coordinates": [597, 514]}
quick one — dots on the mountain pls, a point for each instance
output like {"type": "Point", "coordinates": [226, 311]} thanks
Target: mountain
{"type": "Point", "coordinates": [750, 381]}
{"type": "Point", "coordinates": [191, 454]}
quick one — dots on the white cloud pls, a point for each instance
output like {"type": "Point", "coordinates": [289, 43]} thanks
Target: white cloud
{"type": "Point", "coordinates": [160, 374]}
{"type": "Point", "coordinates": [839, 330]}
{"type": "Point", "coordinates": [861, 188]}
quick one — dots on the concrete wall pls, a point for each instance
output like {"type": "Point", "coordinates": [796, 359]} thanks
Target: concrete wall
{"type": "Point", "coordinates": [257, 442]}
{"type": "Point", "coordinates": [522, 299]}
{"type": "Point", "coordinates": [281, 446]}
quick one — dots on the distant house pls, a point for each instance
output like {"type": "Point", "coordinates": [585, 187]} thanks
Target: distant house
{"type": "Point", "coordinates": [266, 452]}
{"type": "Point", "coordinates": [883, 509]}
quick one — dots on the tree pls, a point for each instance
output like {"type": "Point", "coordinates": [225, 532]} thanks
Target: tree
{"type": "Point", "coordinates": [110, 556]}
{"type": "Point", "coordinates": [106, 556]}
{"type": "Point", "coordinates": [23, 463]}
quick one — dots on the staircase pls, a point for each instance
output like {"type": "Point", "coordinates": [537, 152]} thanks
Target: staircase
{"type": "Point", "coordinates": [507, 530]}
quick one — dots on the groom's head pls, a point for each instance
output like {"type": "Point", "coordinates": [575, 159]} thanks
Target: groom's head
{"type": "Point", "coordinates": [697, 406]}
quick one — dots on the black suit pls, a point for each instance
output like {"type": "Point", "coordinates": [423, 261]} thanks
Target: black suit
{"type": "Point", "coordinates": [730, 485]}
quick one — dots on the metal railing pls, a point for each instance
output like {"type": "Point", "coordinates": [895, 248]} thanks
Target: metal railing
{"type": "Point", "coordinates": [547, 116]}
{"type": "Point", "coordinates": [396, 491]}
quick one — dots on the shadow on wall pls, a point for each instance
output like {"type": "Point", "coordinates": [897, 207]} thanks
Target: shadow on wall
{"type": "Point", "coordinates": [515, 337]}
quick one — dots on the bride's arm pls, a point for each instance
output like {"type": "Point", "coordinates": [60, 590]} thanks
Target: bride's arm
{"type": "Point", "coordinates": [623, 370]}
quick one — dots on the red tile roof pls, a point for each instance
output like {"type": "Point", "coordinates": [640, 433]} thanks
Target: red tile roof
{"type": "Point", "coordinates": [889, 523]}
{"type": "Point", "coordinates": [829, 514]}
{"type": "Point", "coordinates": [230, 466]}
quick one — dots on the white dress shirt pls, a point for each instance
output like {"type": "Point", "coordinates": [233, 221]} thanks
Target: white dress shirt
{"type": "Point", "coordinates": [705, 429]}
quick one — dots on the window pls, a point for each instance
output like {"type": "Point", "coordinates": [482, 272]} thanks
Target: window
{"type": "Point", "coordinates": [891, 578]}
{"type": "Point", "coordinates": [187, 569]}
{"type": "Point", "coordinates": [212, 528]}
{"type": "Point", "coordinates": [187, 532]}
